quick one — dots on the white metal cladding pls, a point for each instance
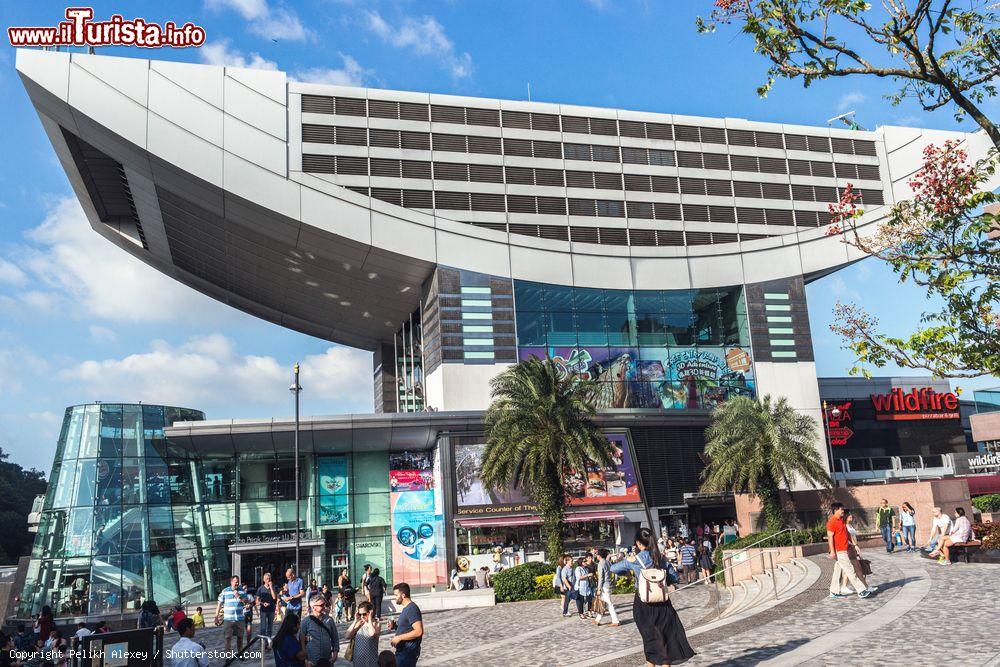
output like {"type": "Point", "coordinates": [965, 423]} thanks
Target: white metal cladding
{"type": "Point", "coordinates": [236, 135]}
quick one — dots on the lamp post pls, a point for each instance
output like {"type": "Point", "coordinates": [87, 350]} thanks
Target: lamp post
{"type": "Point", "coordinates": [835, 413]}
{"type": "Point", "coordinates": [296, 389]}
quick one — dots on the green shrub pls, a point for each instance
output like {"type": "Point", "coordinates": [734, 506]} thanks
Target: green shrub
{"type": "Point", "coordinates": [811, 535]}
{"type": "Point", "coordinates": [519, 582]}
{"type": "Point", "coordinates": [622, 584]}
{"type": "Point", "coordinates": [543, 587]}
{"type": "Point", "coordinates": [987, 503]}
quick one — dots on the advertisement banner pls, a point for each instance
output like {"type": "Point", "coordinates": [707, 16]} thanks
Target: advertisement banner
{"type": "Point", "coordinates": [410, 480]}
{"type": "Point", "coordinates": [592, 486]}
{"type": "Point", "coordinates": [656, 377]}
{"type": "Point", "coordinates": [415, 537]}
{"type": "Point", "coordinates": [334, 504]}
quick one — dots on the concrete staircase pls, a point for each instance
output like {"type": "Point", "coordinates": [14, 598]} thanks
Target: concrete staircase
{"type": "Point", "coordinates": [760, 589]}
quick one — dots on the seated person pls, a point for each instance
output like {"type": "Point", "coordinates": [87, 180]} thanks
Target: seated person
{"type": "Point", "coordinates": [961, 532]}
{"type": "Point", "coordinates": [941, 526]}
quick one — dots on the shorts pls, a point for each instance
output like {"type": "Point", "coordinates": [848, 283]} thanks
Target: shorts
{"type": "Point", "coordinates": [956, 540]}
{"type": "Point", "coordinates": [234, 628]}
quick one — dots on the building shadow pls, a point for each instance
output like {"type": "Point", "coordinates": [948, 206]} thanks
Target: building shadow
{"type": "Point", "coordinates": [758, 655]}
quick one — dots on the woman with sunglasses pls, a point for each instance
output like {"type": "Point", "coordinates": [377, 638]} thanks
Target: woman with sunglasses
{"type": "Point", "coordinates": [364, 631]}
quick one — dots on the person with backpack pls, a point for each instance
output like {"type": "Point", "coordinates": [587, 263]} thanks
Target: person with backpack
{"type": "Point", "coordinates": [318, 633]}
{"type": "Point", "coordinates": [664, 641]}
{"type": "Point", "coordinates": [376, 592]}
{"type": "Point", "coordinates": [149, 615]}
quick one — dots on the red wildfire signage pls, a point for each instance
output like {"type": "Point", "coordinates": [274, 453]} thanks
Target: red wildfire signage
{"type": "Point", "coordinates": [916, 404]}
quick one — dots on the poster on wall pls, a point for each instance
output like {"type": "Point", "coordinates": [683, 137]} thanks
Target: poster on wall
{"type": "Point", "coordinates": [656, 377]}
{"type": "Point", "coordinates": [416, 519]}
{"type": "Point", "coordinates": [334, 502]}
{"type": "Point", "coordinates": [594, 485]}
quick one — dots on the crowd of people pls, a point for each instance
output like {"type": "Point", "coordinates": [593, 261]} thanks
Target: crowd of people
{"type": "Point", "coordinates": [298, 622]}
{"type": "Point", "coordinates": [899, 530]}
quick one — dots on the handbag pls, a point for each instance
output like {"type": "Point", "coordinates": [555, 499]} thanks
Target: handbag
{"type": "Point", "coordinates": [651, 585]}
{"type": "Point", "coordinates": [599, 607]}
{"type": "Point", "coordinates": [866, 566]}
{"type": "Point", "coordinates": [349, 653]}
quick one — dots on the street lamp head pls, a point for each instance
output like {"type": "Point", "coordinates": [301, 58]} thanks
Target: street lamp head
{"type": "Point", "coordinates": [295, 388]}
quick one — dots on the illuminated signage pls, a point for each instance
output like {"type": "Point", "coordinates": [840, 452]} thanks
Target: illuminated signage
{"type": "Point", "coordinates": [839, 425]}
{"type": "Point", "coordinates": [916, 404]}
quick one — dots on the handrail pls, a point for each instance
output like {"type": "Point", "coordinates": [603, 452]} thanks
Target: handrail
{"type": "Point", "coordinates": [732, 565]}
{"type": "Point", "coordinates": [764, 539]}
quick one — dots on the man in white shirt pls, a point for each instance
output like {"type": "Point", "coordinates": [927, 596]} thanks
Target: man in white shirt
{"type": "Point", "coordinates": [961, 532]}
{"type": "Point", "coordinates": [82, 630]}
{"type": "Point", "coordinates": [940, 528]}
{"type": "Point", "coordinates": [187, 652]}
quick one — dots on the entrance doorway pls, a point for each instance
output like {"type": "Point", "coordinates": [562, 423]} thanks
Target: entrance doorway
{"type": "Point", "coordinates": [253, 565]}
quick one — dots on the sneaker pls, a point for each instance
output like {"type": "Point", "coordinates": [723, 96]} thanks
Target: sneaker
{"type": "Point", "coordinates": [865, 593]}
{"type": "Point", "coordinates": [613, 625]}
{"type": "Point", "coordinates": [872, 589]}
{"type": "Point", "coordinates": [944, 562]}
{"type": "Point", "coordinates": [837, 596]}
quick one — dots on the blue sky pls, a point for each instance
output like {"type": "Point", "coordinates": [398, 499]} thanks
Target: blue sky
{"type": "Point", "coordinates": [82, 321]}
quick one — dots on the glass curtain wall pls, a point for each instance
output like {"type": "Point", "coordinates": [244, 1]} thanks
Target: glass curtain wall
{"type": "Point", "coordinates": [647, 348]}
{"type": "Point", "coordinates": [111, 532]}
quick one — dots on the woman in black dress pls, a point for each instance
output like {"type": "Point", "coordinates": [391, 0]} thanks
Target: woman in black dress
{"type": "Point", "coordinates": [663, 638]}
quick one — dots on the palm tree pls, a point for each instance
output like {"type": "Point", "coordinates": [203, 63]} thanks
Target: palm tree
{"type": "Point", "coordinates": [758, 447]}
{"type": "Point", "coordinates": [539, 428]}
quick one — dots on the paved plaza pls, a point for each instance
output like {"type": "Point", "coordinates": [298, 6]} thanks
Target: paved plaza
{"type": "Point", "coordinates": [922, 611]}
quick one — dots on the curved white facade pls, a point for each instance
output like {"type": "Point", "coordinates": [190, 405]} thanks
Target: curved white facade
{"type": "Point", "coordinates": [326, 260]}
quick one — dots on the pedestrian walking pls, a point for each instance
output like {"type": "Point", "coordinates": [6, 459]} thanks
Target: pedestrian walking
{"type": "Point", "coordinates": [838, 539]}
{"type": "Point", "coordinates": [376, 592]}
{"type": "Point", "coordinates": [318, 633]}
{"type": "Point", "coordinates": [287, 646]}
{"type": "Point", "coordinates": [730, 531]}
{"type": "Point", "coordinates": [664, 641]}
{"type": "Point", "coordinates": [187, 652]}
{"type": "Point", "coordinates": [364, 584]}
{"type": "Point", "coordinates": [705, 563]}
{"type": "Point", "coordinates": [909, 525]}
{"type": "Point", "coordinates": [854, 553]}
{"type": "Point", "coordinates": [267, 599]}
{"type": "Point", "coordinates": [409, 627]}
{"type": "Point", "coordinates": [249, 602]}
{"type": "Point", "coordinates": [229, 614]}
{"type": "Point", "coordinates": [885, 520]}
{"type": "Point", "coordinates": [582, 586]}
{"type": "Point", "coordinates": [557, 586]}
{"type": "Point", "coordinates": [605, 586]}
{"type": "Point", "coordinates": [687, 555]}
{"type": "Point", "coordinates": [295, 591]}
{"type": "Point", "coordinates": [198, 617]}
{"type": "Point", "coordinates": [364, 633]}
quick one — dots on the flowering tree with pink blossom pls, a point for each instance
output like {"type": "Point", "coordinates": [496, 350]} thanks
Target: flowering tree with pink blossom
{"type": "Point", "coordinates": [941, 240]}
{"type": "Point", "coordinates": [940, 52]}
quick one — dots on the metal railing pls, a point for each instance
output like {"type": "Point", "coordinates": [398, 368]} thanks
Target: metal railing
{"type": "Point", "coordinates": [774, 582]}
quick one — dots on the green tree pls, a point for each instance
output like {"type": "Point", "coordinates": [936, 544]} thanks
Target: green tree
{"type": "Point", "coordinates": [941, 241]}
{"type": "Point", "coordinates": [18, 488]}
{"type": "Point", "coordinates": [939, 52]}
{"type": "Point", "coordinates": [760, 447]}
{"type": "Point", "coordinates": [540, 428]}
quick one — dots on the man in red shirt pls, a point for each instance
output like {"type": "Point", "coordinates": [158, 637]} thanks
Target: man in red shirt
{"type": "Point", "coordinates": [838, 539]}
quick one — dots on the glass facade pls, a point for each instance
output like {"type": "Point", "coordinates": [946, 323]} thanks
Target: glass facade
{"type": "Point", "coordinates": [647, 348]}
{"type": "Point", "coordinates": [129, 516]}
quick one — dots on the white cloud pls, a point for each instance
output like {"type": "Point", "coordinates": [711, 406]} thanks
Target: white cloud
{"type": "Point", "coordinates": [599, 5]}
{"type": "Point", "coordinates": [18, 365]}
{"type": "Point", "coordinates": [426, 37]}
{"type": "Point", "coordinates": [849, 100]}
{"type": "Point", "coordinates": [74, 271]}
{"type": "Point", "coordinates": [908, 121]}
{"type": "Point", "coordinates": [100, 334]}
{"type": "Point", "coordinates": [351, 74]}
{"type": "Point", "coordinates": [208, 373]}
{"type": "Point", "coordinates": [10, 273]}
{"type": "Point", "coordinates": [222, 54]}
{"type": "Point", "coordinates": [264, 20]}
{"type": "Point", "coordinates": [840, 289]}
